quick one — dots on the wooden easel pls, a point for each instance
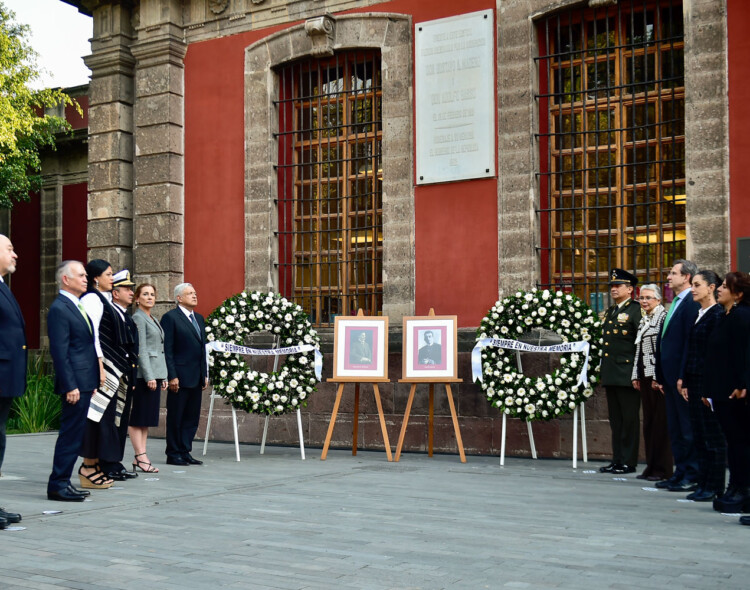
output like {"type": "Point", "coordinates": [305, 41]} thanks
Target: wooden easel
{"type": "Point", "coordinates": [341, 380]}
{"type": "Point", "coordinates": [430, 420]}
{"type": "Point", "coordinates": [355, 423]}
{"type": "Point", "coordinates": [431, 381]}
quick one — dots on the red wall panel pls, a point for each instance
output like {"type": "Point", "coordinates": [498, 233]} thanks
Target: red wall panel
{"type": "Point", "coordinates": [456, 223]}
{"type": "Point", "coordinates": [738, 23]}
{"type": "Point", "coordinates": [74, 216]}
{"type": "Point", "coordinates": [25, 233]}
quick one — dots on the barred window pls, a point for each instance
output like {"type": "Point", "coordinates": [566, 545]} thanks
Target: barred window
{"type": "Point", "coordinates": [330, 239]}
{"type": "Point", "coordinates": [612, 139]}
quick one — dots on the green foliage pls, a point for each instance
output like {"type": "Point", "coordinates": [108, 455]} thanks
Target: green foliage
{"type": "Point", "coordinates": [38, 410]}
{"type": "Point", "coordinates": [24, 128]}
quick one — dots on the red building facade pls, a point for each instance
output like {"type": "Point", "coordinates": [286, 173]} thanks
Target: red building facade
{"type": "Point", "coordinates": [194, 145]}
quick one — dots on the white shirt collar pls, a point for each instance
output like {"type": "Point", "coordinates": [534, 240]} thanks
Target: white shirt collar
{"type": "Point", "coordinates": [185, 310]}
{"type": "Point", "coordinates": [70, 296]}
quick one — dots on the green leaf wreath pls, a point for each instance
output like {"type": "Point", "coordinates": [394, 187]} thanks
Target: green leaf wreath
{"type": "Point", "coordinates": [551, 395]}
{"type": "Point", "coordinates": [256, 392]}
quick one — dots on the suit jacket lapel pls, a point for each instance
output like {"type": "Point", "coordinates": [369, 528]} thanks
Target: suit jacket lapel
{"type": "Point", "coordinates": [77, 313]}
{"type": "Point", "coordinates": [5, 290]}
{"type": "Point", "coordinates": [189, 324]}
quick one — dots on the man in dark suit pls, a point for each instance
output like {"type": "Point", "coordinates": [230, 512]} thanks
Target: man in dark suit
{"type": "Point", "coordinates": [671, 347]}
{"type": "Point", "coordinates": [185, 352]}
{"type": "Point", "coordinates": [430, 353]}
{"type": "Point", "coordinates": [71, 344]}
{"type": "Point", "coordinates": [623, 400]}
{"type": "Point", "coordinates": [13, 354]}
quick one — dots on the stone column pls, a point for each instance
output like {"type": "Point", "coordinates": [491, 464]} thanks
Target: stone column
{"type": "Point", "coordinates": [110, 207]}
{"type": "Point", "coordinates": [159, 149]}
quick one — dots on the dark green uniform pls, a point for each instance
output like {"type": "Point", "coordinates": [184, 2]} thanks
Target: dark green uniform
{"type": "Point", "coordinates": [624, 402]}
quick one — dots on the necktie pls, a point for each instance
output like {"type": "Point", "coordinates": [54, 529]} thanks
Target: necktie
{"type": "Point", "coordinates": [85, 317]}
{"type": "Point", "coordinates": [672, 307]}
{"type": "Point", "coordinates": [195, 324]}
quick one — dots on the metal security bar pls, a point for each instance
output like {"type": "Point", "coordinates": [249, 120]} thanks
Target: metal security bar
{"type": "Point", "coordinates": [612, 141]}
{"type": "Point", "coordinates": [330, 238]}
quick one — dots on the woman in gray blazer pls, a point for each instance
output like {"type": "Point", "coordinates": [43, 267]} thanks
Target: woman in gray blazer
{"type": "Point", "coordinates": [152, 376]}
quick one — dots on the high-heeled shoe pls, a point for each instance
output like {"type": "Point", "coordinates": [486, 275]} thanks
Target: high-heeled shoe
{"type": "Point", "coordinates": [138, 464]}
{"type": "Point", "coordinates": [95, 481]}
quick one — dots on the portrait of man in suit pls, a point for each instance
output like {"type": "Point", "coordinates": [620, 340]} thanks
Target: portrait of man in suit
{"type": "Point", "coordinates": [185, 352]}
{"type": "Point", "coordinates": [360, 348]}
{"type": "Point", "coordinates": [13, 353]}
{"type": "Point", "coordinates": [431, 352]}
{"type": "Point", "coordinates": [71, 344]}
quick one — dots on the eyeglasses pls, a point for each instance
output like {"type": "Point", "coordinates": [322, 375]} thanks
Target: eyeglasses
{"type": "Point", "coordinates": [645, 298]}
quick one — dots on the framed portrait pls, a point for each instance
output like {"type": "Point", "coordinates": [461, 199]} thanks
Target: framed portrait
{"type": "Point", "coordinates": [360, 348]}
{"type": "Point", "coordinates": [430, 348]}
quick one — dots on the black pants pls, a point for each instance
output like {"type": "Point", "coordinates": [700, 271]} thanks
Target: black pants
{"type": "Point", "coordinates": [655, 434]}
{"type": "Point", "coordinates": [68, 445]}
{"type": "Point", "coordinates": [734, 417]}
{"type": "Point", "coordinates": [624, 404]}
{"type": "Point", "coordinates": [710, 446]}
{"type": "Point", "coordinates": [183, 415]}
{"type": "Point", "coordinates": [5, 403]}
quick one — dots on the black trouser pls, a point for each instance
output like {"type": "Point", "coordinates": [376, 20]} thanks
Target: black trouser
{"type": "Point", "coordinates": [624, 404]}
{"type": "Point", "coordinates": [183, 415]}
{"type": "Point", "coordinates": [734, 417]}
{"type": "Point", "coordinates": [68, 445]}
{"type": "Point", "coordinates": [708, 438]}
{"type": "Point", "coordinates": [5, 403]}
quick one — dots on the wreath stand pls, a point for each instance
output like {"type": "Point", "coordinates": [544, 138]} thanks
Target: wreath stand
{"type": "Point", "coordinates": [431, 415]}
{"type": "Point", "coordinates": [355, 423]}
{"type": "Point", "coordinates": [531, 433]}
{"type": "Point", "coordinates": [215, 396]}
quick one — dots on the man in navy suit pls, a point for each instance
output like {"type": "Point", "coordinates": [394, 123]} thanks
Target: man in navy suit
{"type": "Point", "coordinates": [13, 354]}
{"type": "Point", "coordinates": [671, 350]}
{"type": "Point", "coordinates": [71, 344]}
{"type": "Point", "coordinates": [185, 352]}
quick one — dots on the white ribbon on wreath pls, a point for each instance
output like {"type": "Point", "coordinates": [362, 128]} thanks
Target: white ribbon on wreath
{"type": "Point", "coordinates": [246, 350]}
{"type": "Point", "coordinates": [476, 353]}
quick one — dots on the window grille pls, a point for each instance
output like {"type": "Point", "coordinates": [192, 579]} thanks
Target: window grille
{"type": "Point", "coordinates": [330, 239]}
{"type": "Point", "coordinates": [612, 144]}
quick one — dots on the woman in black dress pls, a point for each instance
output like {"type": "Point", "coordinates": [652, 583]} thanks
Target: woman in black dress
{"type": "Point", "coordinates": [152, 376]}
{"type": "Point", "coordinates": [708, 438]}
{"type": "Point", "coordinates": [726, 386]}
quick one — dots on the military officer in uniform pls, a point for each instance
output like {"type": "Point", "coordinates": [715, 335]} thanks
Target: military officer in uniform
{"type": "Point", "coordinates": [624, 402]}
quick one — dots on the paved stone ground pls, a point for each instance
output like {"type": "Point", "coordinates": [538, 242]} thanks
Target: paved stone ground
{"type": "Point", "coordinates": [276, 522]}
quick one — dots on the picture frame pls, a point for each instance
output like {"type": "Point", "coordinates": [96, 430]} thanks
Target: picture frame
{"type": "Point", "coordinates": [360, 348]}
{"type": "Point", "coordinates": [430, 349]}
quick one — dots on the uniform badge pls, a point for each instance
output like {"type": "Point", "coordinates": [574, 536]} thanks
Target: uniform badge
{"type": "Point", "coordinates": [622, 317]}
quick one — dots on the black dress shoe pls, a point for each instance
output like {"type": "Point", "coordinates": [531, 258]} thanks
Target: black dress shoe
{"type": "Point", "coordinates": [697, 492]}
{"type": "Point", "coordinates": [3, 523]}
{"type": "Point", "coordinates": [745, 520]}
{"type": "Point", "coordinates": [702, 496]}
{"type": "Point", "coordinates": [177, 461]}
{"type": "Point", "coordinates": [607, 468]}
{"type": "Point", "coordinates": [116, 475]}
{"type": "Point", "coordinates": [129, 474]}
{"type": "Point", "coordinates": [192, 460]}
{"type": "Point", "coordinates": [74, 490]}
{"type": "Point", "coordinates": [665, 483]}
{"type": "Point", "coordinates": [683, 486]}
{"type": "Point", "coordinates": [622, 469]}
{"type": "Point", "coordinates": [64, 496]}
{"type": "Point", "coordinates": [732, 503]}
{"type": "Point", "coordinates": [11, 517]}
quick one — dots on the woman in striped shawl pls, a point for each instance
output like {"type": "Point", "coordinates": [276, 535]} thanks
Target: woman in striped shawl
{"type": "Point", "coordinates": [101, 440]}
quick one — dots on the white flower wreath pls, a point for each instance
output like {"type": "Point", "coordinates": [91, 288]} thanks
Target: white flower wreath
{"type": "Point", "coordinates": [551, 395]}
{"type": "Point", "coordinates": [256, 392]}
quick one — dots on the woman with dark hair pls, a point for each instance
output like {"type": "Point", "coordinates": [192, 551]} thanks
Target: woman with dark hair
{"type": "Point", "coordinates": [708, 437]}
{"type": "Point", "coordinates": [102, 447]}
{"type": "Point", "coordinates": [152, 376]}
{"type": "Point", "coordinates": [726, 386]}
{"type": "Point", "coordinates": [655, 433]}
